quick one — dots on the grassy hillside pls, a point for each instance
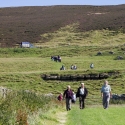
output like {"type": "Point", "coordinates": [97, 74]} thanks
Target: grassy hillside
{"type": "Point", "coordinates": [23, 67]}
{"type": "Point", "coordinates": [29, 23]}
{"type": "Point", "coordinates": [21, 70]}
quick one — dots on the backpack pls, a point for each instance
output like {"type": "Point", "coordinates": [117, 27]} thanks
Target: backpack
{"type": "Point", "coordinates": [77, 93]}
{"type": "Point", "coordinates": [58, 97]}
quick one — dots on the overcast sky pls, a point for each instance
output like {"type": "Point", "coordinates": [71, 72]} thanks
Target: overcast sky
{"type": "Point", "coordinates": [16, 3]}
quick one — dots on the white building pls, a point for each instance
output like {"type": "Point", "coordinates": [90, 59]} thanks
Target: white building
{"type": "Point", "coordinates": [26, 45]}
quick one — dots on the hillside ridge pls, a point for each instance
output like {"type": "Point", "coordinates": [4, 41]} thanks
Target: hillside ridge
{"type": "Point", "coordinates": [28, 23]}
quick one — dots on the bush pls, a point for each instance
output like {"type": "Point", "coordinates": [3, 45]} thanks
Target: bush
{"type": "Point", "coordinates": [17, 105]}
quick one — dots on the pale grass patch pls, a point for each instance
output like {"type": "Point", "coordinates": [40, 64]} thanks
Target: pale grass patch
{"type": "Point", "coordinates": [98, 13]}
{"type": "Point", "coordinates": [43, 118]}
{"type": "Point", "coordinates": [69, 35]}
{"type": "Point", "coordinates": [55, 116]}
{"type": "Point", "coordinates": [62, 117]}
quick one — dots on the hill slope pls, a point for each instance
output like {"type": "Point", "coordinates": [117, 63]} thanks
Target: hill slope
{"type": "Point", "coordinates": [28, 23]}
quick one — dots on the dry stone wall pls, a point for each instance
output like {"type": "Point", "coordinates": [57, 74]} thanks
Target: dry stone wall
{"type": "Point", "coordinates": [78, 77]}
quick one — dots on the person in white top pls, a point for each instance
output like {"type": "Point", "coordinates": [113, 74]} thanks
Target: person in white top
{"type": "Point", "coordinates": [82, 92]}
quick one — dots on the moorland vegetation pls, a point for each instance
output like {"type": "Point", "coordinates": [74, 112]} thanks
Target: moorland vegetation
{"type": "Point", "coordinates": [20, 24]}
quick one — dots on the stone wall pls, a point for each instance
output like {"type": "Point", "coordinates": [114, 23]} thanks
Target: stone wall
{"type": "Point", "coordinates": [78, 77]}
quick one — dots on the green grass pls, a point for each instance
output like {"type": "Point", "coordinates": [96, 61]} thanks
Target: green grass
{"type": "Point", "coordinates": [21, 69]}
{"type": "Point", "coordinates": [25, 72]}
{"type": "Point", "coordinates": [114, 115]}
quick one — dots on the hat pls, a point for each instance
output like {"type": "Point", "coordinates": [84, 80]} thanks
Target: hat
{"type": "Point", "coordinates": [82, 83]}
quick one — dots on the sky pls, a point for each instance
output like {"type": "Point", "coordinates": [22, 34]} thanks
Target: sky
{"type": "Point", "coordinates": [17, 3]}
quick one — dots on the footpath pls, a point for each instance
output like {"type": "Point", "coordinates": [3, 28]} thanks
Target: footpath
{"type": "Point", "coordinates": [62, 117]}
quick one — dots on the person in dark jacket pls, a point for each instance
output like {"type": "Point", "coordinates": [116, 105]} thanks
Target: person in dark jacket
{"type": "Point", "coordinates": [68, 94]}
{"type": "Point", "coordinates": [82, 92]}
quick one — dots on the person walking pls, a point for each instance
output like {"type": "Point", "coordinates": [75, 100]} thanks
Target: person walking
{"type": "Point", "coordinates": [68, 96]}
{"type": "Point", "coordinates": [106, 94]}
{"type": "Point", "coordinates": [82, 92]}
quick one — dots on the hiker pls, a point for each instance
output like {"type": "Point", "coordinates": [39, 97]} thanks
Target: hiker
{"type": "Point", "coordinates": [72, 66]}
{"type": "Point", "coordinates": [82, 92]}
{"type": "Point", "coordinates": [91, 65]}
{"type": "Point", "coordinates": [59, 58]}
{"type": "Point", "coordinates": [68, 96]}
{"type": "Point", "coordinates": [62, 68]}
{"type": "Point", "coordinates": [60, 97]}
{"type": "Point", "coordinates": [54, 58]}
{"type": "Point", "coordinates": [106, 94]}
